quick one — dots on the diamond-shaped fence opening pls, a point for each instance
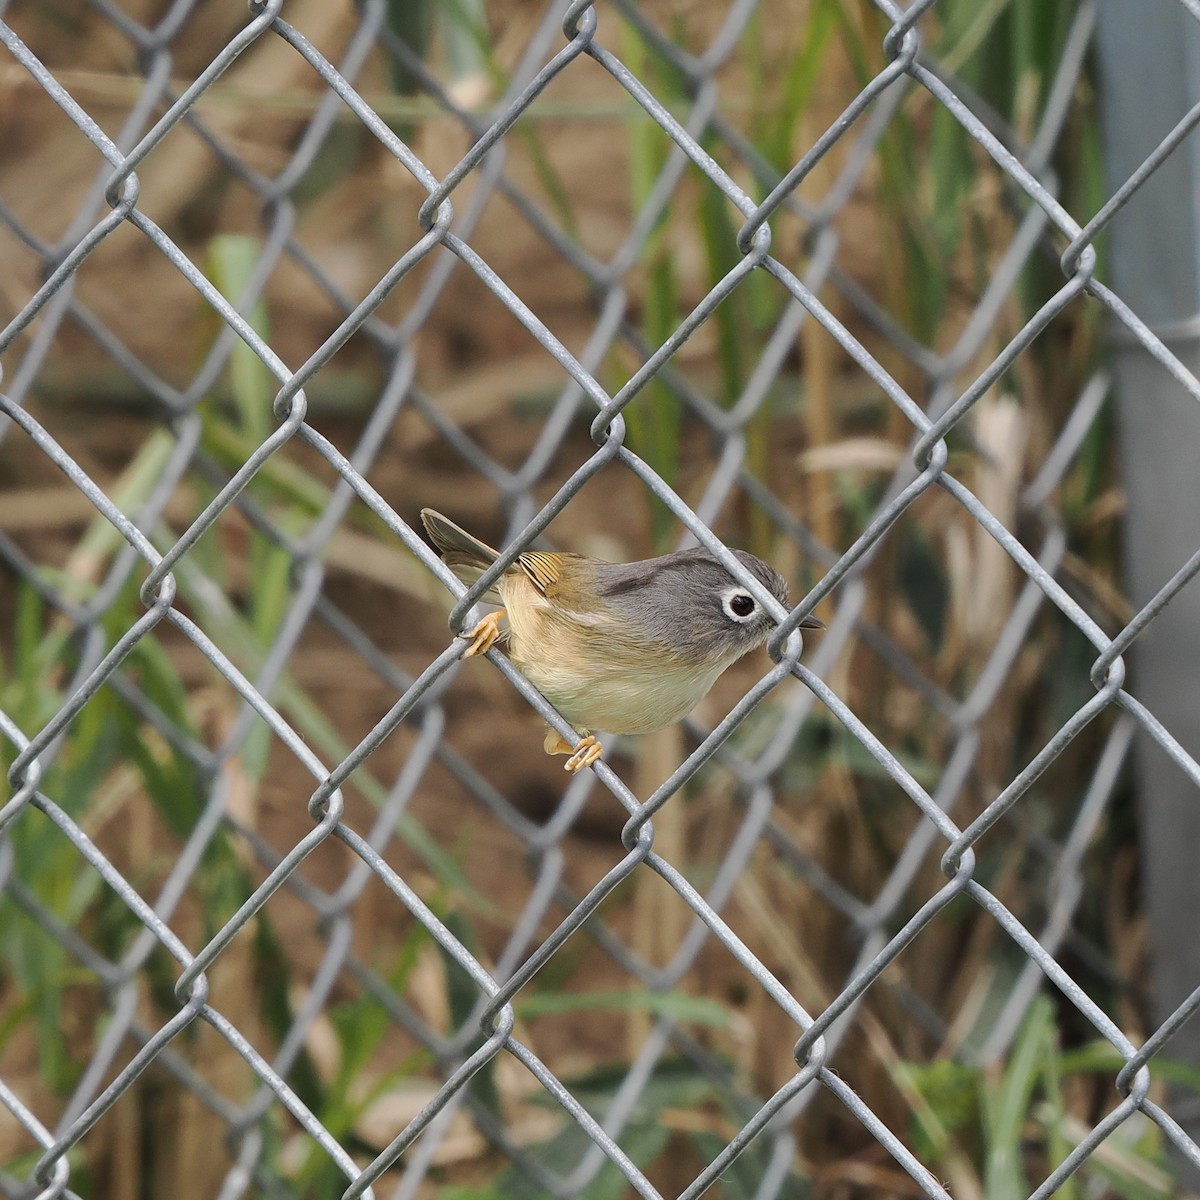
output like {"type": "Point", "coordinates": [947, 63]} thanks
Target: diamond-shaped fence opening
{"type": "Point", "coordinates": [292, 902]}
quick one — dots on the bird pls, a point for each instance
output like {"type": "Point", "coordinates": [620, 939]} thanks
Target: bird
{"type": "Point", "coordinates": [615, 647]}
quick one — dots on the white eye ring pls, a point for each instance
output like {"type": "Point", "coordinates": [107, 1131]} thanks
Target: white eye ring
{"type": "Point", "coordinates": [738, 605]}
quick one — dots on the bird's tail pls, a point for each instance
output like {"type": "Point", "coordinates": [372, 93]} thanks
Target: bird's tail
{"type": "Point", "coordinates": [465, 555]}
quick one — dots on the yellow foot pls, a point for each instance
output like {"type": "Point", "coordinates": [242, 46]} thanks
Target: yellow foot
{"type": "Point", "coordinates": [587, 752]}
{"type": "Point", "coordinates": [485, 635]}
{"type": "Point", "coordinates": [555, 745]}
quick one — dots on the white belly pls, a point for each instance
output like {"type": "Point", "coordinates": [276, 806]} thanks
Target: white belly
{"type": "Point", "coordinates": [595, 682]}
{"type": "Point", "coordinates": [620, 700]}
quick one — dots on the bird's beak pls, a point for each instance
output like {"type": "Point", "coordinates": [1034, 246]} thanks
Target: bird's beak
{"type": "Point", "coordinates": [812, 623]}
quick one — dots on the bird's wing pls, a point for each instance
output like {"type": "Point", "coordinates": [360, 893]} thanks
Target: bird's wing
{"type": "Point", "coordinates": [545, 569]}
{"type": "Point", "coordinates": [555, 576]}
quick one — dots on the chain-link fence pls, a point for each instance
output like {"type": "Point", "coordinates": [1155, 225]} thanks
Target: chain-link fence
{"type": "Point", "coordinates": [289, 900]}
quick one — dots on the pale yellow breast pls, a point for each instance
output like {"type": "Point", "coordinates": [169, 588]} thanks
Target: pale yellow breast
{"type": "Point", "coordinates": [597, 678]}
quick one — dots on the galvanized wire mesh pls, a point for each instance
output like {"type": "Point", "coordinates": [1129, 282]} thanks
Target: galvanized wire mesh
{"type": "Point", "coordinates": [882, 926]}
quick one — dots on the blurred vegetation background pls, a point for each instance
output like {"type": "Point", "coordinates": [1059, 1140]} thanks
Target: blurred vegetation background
{"type": "Point", "coordinates": [916, 243]}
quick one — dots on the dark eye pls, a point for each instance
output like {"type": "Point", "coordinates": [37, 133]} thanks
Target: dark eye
{"type": "Point", "coordinates": [740, 605]}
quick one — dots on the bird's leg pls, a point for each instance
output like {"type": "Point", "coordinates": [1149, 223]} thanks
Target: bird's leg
{"type": "Point", "coordinates": [485, 635]}
{"type": "Point", "coordinates": [587, 752]}
{"type": "Point", "coordinates": [554, 744]}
